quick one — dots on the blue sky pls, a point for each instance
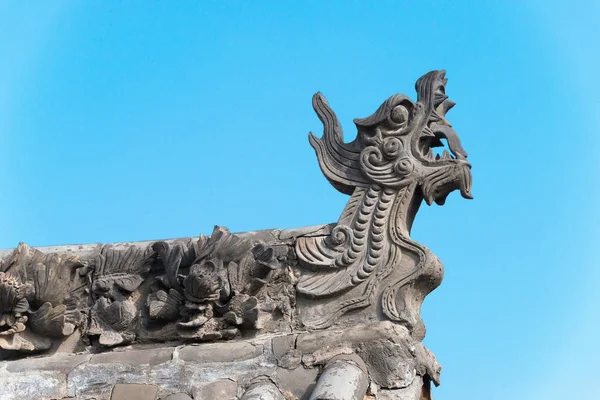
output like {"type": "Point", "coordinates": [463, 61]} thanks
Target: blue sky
{"type": "Point", "coordinates": [124, 121]}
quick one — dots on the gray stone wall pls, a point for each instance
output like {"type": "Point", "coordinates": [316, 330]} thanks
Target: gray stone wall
{"type": "Point", "coordinates": [293, 363]}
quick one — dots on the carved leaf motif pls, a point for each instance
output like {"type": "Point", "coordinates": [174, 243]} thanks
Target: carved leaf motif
{"type": "Point", "coordinates": [265, 261]}
{"type": "Point", "coordinates": [51, 280]}
{"type": "Point", "coordinates": [47, 281]}
{"type": "Point", "coordinates": [117, 314]}
{"type": "Point", "coordinates": [223, 245]}
{"type": "Point", "coordinates": [171, 257]}
{"type": "Point", "coordinates": [122, 269]}
{"type": "Point", "coordinates": [21, 261]}
{"type": "Point", "coordinates": [242, 311]}
{"type": "Point", "coordinates": [237, 273]}
{"type": "Point", "coordinates": [165, 306]}
{"type": "Point", "coordinates": [253, 271]}
{"type": "Point", "coordinates": [12, 295]}
{"type": "Point", "coordinates": [133, 260]}
{"type": "Point", "coordinates": [48, 320]}
{"type": "Point", "coordinates": [126, 282]}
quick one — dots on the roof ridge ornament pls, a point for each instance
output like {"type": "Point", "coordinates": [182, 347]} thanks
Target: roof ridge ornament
{"type": "Point", "coordinates": [388, 169]}
{"type": "Point", "coordinates": [355, 286]}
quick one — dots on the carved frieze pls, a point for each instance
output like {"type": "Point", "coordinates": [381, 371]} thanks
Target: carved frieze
{"type": "Point", "coordinates": [213, 287]}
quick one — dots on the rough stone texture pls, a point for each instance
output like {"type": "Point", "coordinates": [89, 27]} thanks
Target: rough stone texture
{"type": "Point", "coordinates": [183, 396]}
{"type": "Point", "coordinates": [279, 305]}
{"type": "Point", "coordinates": [60, 363]}
{"type": "Point", "coordinates": [262, 389]}
{"type": "Point", "coordinates": [297, 383]}
{"type": "Point", "coordinates": [412, 392]}
{"type": "Point", "coordinates": [32, 385]}
{"type": "Point", "coordinates": [220, 352]}
{"type": "Point", "coordinates": [282, 345]}
{"type": "Point", "coordinates": [342, 379]}
{"type": "Point", "coordinates": [134, 392]}
{"type": "Point", "coordinates": [312, 342]}
{"type": "Point", "coordinates": [134, 357]}
{"type": "Point", "coordinates": [392, 365]}
{"type": "Point", "coordinates": [224, 389]}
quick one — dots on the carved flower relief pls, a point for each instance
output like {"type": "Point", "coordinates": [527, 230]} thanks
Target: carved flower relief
{"type": "Point", "coordinates": [253, 271]}
{"type": "Point", "coordinates": [116, 274]}
{"type": "Point", "coordinates": [112, 312]}
{"type": "Point", "coordinates": [213, 293]}
{"type": "Point", "coordinates": [30, 332]}
{"type": "Point", "coordinates": [111, 321]}
{"type": "Point", "coordinates": [202, 287]}
{"type": "Point", "coordinates": [242, 311]}
{"type": "Point", "coordinates": [164, 305]}
{"type": "Point", "coordinates": [264, 264]}
{"type": "Point", "coordinates": [203, 283]}
{"type": "Point", "coordinates": [36, 302]}
{"type": "Point", "coordinates": [13, 305]}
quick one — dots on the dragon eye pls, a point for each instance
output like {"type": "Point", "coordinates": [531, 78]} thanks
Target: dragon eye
{"type": "Point", "coordinates": [399, 114]}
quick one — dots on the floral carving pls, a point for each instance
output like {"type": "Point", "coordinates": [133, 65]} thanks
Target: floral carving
{"type": "Point", "coordinates": [117, 274]}
{"type": "Point", "coordinates": [13, 305]}
{"type": "Point", "coordinates": [203, 283]}
{"type": "Point", "coordinates": [209, 286]}
{"type": "Point", "coordinates": [39, 299]}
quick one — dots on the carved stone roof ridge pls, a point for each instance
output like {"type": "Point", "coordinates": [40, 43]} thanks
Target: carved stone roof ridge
{"type": "Point", "coordinates": [322, 312]}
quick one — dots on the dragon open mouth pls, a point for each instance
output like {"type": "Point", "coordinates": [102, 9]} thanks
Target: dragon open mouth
{"type": "Point", "coordinates": [434, 139]}
{"type": "Point", "coordinates": [452, 171]}
{"type": "Point", "coordinates": [445, 180]}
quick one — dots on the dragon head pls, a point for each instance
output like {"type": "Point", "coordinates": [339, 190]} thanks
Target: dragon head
{"type": "Point", "coordinates": [394, 146]}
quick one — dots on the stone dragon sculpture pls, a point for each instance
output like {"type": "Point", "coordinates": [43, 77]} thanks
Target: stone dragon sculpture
{"type": "Point", "coordinates": [388, 170]}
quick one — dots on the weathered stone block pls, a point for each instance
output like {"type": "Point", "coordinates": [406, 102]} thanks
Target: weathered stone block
{"type": "Point", "coordinates": [281, 345]}
{"type": "Point", "coordinates": [412, 392]}
{"type": "Point", "coordinates": [311, 342]}
{"type": "Point", "coordinates": [343, 378]}
{"type": "Point", "coordinates": [297, 382]}
{"type": "Point", "coordinates": [179, 396]}
{"type": "Point", "coordinates": [134, 391]}
{"type": "Point", "coordinates": [262, 389]}
{"type": "Point", "coordinates": [63, 363]}
{"type": "Point", "coordinates": [32, 385]}
{"type": "Point", "coordinates": [134, 357]}
{"type": "Point", "coordinates": [224, 389]}
{"type": "Point", "coordinates": [99, 379]}
{"type": "Point", "coordinates": [391, 365]}
{"type": "Point", "coordinates": [220, 352]}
